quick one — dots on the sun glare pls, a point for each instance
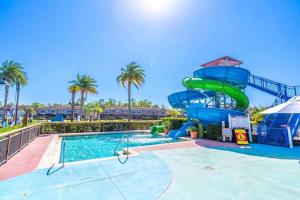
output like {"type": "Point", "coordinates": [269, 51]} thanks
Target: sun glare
{"type": "Point", "coordinates": [155, 8]}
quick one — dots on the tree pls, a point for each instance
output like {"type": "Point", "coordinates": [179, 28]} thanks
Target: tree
{"type": "Point", "coordinates": [134, 103]}
{"type": "Point", "coordinates": [111, 103]}
{"type": "Point", "coordinates": [173, 112]}
{"type": "Point", "coordinates": [73, 89]}
{"type": "Point", "coordinates": [133, 74]}
{"type": "Point", "coordinates": [93, 110]}
{"type": "Point", "coordinates": [14, 74]}
{"type": "Point", "coordinates": [145, 103]}
{"type": "Point", "coordinates": [255, 114]}
{"type": "Point", "coordinates": [87, 86]}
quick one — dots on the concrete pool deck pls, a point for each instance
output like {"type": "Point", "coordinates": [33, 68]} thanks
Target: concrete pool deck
{"type": "Point", "coordinates": [43, 152]}
{"type": "Point", "coordinates": [142, 177]}
{"type": "Point", "coordinates": [182, 173]}
{"type": "Point", "coordinates": [204, 173]}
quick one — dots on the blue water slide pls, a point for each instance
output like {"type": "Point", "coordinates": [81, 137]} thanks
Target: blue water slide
{"type": "Point", "coordinates": [182, 99]}
{"type": "Point", "coordinates": [235, 76]}
{"type": "Point", "coordinates": [212, 115]}
{"type": "Point", "coordinates": [182, 132]}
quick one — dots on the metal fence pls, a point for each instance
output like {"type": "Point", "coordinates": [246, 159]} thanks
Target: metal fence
{"type": "Point", "coordinates": [13, 142]}
{"type": "Point", "coordinates": [273, 136]}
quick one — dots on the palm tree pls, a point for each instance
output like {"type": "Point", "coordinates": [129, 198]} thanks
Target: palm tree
{"type": "Point", "coordinates": [87, 86]}
{"type": "Point", "coordinates": [73, 89]}
{"type": "Point", "coordinates": [14, 74]}
{"type": "Point", "coordinates": [133, 74]}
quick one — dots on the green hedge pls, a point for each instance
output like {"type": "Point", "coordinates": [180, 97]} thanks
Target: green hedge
{"type": "Point", "coordinates": [175, 123]}
{"type": "Point", "coordinates": [98, 126]}
{"type": "Point", "coordinates": [213, 132]}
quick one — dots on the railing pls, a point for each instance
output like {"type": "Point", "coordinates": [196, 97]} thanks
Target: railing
{"type": "Point", "coordinates": [273, 87]}
{"type": "Point", "coordinates": [273, 136]}
{"type": "Point", "coordinates": [125, 137]}
{"type": "Point", "coordinates": [14, 141]}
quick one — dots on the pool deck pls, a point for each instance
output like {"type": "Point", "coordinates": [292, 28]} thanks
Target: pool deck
{"type": "Point", "coordinates": [185, 144]}
{"type": "Point", "coordinates": [31, 157]}
{"type": "Point", "coordinates": [27, 159]}
{"type": "Point", "coordinates": [181, 170]}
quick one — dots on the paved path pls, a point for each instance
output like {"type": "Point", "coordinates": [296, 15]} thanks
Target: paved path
{"type": "Point", "coordinates": [27, 159]}
{"type": "Point", "coordinates": [185, 144]}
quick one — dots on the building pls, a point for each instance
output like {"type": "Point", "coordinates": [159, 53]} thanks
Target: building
{"type": "Point", "coordinates": [136, 113]}
{"type": "Point", "coordinates": [108, 113]}
{"type": "Point", "coordinates": [51, 111]}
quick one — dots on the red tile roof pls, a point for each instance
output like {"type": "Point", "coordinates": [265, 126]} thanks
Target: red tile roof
{"type": "Point", "coordinates": [223, 61]}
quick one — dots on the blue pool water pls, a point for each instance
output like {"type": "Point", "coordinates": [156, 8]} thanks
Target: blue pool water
{"type": "Point", "coordinates": [85, 147]}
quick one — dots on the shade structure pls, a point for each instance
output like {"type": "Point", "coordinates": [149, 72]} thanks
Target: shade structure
{"type": "Point", "coordinates": [292, 106]}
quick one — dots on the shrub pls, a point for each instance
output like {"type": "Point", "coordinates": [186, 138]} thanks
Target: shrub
{"type": "Point", "coordinates": [174, 123]}
{"type": "Point", "coordinates": [97, 126]}
{"type": "Point", "coordinates": [213, 132]}
{"type": "Point", "coordinates": [194, 129]}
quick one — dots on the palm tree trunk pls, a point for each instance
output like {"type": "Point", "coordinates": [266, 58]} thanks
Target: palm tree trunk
{"type": "Point", "coordinates": [5, 103]}
{"type": "Point", "coordinates": [17, 101]}
{"type": "Point", "coordinates": [73, 106]}
{"type": "Point", "coordinates": [129, 101]}
{"type": "Point", "coordinates": [81, 104]}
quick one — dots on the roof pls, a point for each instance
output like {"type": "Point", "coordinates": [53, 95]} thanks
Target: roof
{"type": "Point", "coordinates": [60, 107]}
{"type": "Point", "coordinates": [292, 106]}
{"type": "Point", "coordinates": [223, 61]}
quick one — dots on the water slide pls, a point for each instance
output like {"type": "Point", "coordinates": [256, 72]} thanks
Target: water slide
{"type": "Point", "coordinates": [206, 89]}
{"type": "Point", "coordinates": [175, 134]}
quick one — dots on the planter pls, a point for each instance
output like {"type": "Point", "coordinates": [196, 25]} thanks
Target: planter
{"type": "Point", "coordinates": [194, 134]}
{"type": "Point", "coordinates": [166, 130]}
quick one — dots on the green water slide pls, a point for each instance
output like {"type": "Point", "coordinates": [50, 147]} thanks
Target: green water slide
{"type": "Point", "coordinates": [157, 129]}
{"type": "Point", "coordinates": [242, 101]}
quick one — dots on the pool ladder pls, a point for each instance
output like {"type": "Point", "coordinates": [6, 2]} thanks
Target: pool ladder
{"type": "Point", "coordinates": [62, 159]}
{"type": "Point", "coordinates": [125, 137]}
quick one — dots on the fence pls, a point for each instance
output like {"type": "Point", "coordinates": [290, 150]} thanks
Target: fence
{"type": "Point", "coordinates": [12, 142]}
{"type": "Point", "coordinates": [273, 136]}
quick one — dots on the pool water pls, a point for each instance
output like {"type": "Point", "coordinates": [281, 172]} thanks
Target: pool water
{"type": "Point", "coordinates": [85, 147]}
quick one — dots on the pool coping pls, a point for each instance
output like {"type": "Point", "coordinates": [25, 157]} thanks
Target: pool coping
{"type": "Point", "coordinates": [51, 156]}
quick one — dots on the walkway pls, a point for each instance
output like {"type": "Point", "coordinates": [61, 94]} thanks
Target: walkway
{"type": "Point", "coordinates": [204, 173]}
{"type": "Point", "coordinates": [27, 159]}
{"type": "Point", "coordinates": [142, 177]}
{"type": "Point", "coordinates": [185, 144]}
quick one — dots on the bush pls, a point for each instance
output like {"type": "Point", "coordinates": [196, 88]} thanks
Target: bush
{"type": "Point", "coordinates": [174, 123]}
{"type": "Point", "coordinates": [97, 126]}
{"type": "Point", "coordinates": [213, 132]}
{"type": "Point", "coordinates": [193, 129]}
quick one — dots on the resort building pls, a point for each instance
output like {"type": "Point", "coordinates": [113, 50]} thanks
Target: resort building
{"type": "Point", "coordinates": [52, 111]}
{"type": "Point", "coordinates": [136, 113]}
{"type": "Point", "coordinates": [108, 113]}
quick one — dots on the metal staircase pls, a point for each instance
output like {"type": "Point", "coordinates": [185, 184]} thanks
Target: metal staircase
{"type": "Point", "coordinates": [280, 90]}
{"type": "Point", "coordinates": [274, 129]}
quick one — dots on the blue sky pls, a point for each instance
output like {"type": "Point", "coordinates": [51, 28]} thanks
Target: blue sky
{"type": "Point", "coordinates": [55, 40]}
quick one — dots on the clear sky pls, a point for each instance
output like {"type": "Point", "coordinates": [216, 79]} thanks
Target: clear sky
{"type": "Point", "coordinates": [55, 40]}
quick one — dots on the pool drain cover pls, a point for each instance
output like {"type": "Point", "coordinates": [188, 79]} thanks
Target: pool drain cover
{"type": "Point", "coordinates": [208, 168]}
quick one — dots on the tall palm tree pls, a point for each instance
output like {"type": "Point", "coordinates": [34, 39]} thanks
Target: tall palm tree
{"type": "Point", "coordinates": [133, 74]}
{"type": "Point", "coordinates": [14, 74]}
{"type": "Point", "coordinates": [87, 86]}
{"type": "Point", "coordinates": [73, 89]}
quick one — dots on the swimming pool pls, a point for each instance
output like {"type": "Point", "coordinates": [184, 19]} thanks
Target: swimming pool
{"type": "Point", "coordinates": [85, 147]}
